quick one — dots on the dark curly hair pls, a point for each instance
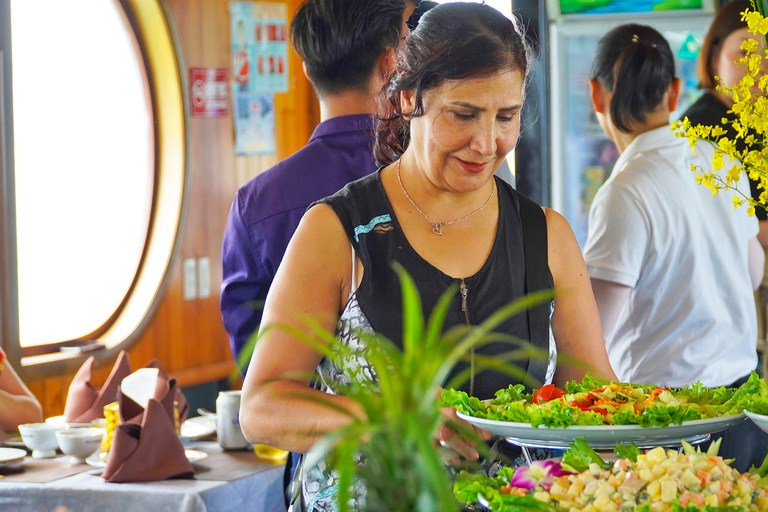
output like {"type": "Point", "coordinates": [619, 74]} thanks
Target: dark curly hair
{"type": "Point", "coordinates": [452, 41]}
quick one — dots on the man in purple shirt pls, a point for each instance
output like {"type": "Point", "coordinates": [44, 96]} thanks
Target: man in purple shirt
{"type": "Point", "coordinates": [347, 48]}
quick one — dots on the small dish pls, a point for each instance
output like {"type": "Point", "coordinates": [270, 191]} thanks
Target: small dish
{"type": "Point", "coordinates": [195, 456]}
{"type": "Point", "coordinates": [10, 456]}
{"type": "Point", "coordinates": [197, 428]}
{"type": "Point", "coordinates": [99, 459]}
{"type": "Point", "coordinates": [14, 441]}
{"type": "Point", "coordinates": [266, 452]}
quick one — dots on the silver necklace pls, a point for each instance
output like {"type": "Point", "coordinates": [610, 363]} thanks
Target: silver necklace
{"type": "Point", "coordinates": [437, 227]}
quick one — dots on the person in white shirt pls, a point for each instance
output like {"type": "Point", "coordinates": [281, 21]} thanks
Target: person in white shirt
{"type": "Point", "coordinates": [673, 269]}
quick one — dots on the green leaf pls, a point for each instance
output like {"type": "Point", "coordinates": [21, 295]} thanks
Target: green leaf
{"type": "Point", "coordinates": [627, 451]}
{"type": "Point", "coordinates": [580, 455]}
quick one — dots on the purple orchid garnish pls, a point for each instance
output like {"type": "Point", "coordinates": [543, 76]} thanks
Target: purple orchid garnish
{"type": "Point", "coordinates": [539, 473]}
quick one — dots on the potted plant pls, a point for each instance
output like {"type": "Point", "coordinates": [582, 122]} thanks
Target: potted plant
{"type": "Point", "coordinates": [392, 453]}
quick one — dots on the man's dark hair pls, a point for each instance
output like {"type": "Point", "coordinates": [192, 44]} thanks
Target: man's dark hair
{"type": "Point", "coordinates": [339, 40]}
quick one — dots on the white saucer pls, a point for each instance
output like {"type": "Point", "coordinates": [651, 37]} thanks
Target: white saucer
{"type": "Point", "coordinates": [11, 456]}
{"type": "Point", "coordinates": [99, 459]}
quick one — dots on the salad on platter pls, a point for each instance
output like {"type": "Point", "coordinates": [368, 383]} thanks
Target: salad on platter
{"type": "Point", "coordinates": [658, 480]}
{"type": "Point", "coordinates": [599, 402]}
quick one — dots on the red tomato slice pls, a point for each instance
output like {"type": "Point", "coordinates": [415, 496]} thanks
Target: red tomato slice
{"type": "Point", "coordinates": [547, 393]}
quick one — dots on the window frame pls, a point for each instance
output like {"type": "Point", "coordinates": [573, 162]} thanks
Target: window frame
{"type": "Point", "coordinates": [150, 27]}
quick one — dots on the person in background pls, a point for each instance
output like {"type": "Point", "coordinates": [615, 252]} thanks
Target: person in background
{"type": "Point", "coordinates": [347, 48]}
{"type": "Point", "coordinates": [717, 58]}
{"type": "Point", "coordinates": [17, 403]}
{"type": "Point", "coordinates": [450, 115]}
{"type": "Point", "coordinates": [672, 268]}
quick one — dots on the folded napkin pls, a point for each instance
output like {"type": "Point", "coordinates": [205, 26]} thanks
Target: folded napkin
{"type": "Point", "coordinates": [166, 392]}
{"type": "Point", "coordinates": [148, 451]}
{"type": "Point", "coordinates": [86, 403]}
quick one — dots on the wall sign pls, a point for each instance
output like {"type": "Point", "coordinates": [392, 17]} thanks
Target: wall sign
{"type": "Point", "coordinates": [208, 91]}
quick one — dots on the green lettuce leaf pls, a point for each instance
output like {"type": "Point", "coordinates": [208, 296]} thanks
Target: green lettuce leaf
{"type": "Point", "coordinates": [580, 455]}
{"type": "Point", "coordinates": [630, 451]}
{"type": "Point", "coordinates": [469, 485]}
{"type": "Point", "coordinates": [463, 403]}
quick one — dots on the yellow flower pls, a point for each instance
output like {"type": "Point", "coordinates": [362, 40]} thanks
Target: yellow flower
{"type": "Point", "coordinates": [734, 173]}
{"type": "Point", "coordinates": [717, 131]}
{"type": "Point", "coordinates": [750, 45]}
{"type": "Point", "coordinates": [736, 202]}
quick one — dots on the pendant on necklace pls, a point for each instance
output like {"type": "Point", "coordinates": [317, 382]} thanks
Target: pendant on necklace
{"type": "Point", "coordinates": [437, 228]}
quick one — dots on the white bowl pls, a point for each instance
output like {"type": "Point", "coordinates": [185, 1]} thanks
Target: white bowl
{"type": "Point", "coordinates": [79, 442]}
{"type": "Point", "coordinates": [41, 438]}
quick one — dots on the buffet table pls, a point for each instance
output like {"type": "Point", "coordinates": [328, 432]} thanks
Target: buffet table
{"type": "Point", "coordinates": [223, 482]}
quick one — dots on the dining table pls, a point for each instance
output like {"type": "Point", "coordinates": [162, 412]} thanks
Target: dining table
{"type": "Point", "coordinates": [224, 481]}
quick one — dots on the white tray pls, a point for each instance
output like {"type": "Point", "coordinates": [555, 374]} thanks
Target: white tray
{"type": "Point", "coordinates": [605, 436]}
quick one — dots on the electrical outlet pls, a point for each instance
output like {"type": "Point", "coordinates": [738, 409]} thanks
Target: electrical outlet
{"type": "Point", "coordinates": [190, 279]}
{"type": "Point", "coordinates": [203, 277]}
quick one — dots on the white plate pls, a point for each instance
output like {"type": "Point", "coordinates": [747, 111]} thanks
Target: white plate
{"type": "Point", "coordinates": [99, 459]}
{"type": "Point", "coordinates": [195, 456]}
{"type": "Point", "coordinates": [761, 420]}
{"type": "Point", "coordinates": [11, 456]}
{"type": "Point", "coordinates": [605, 436]}
{"type": "Point", "coordinates": [197, 427]}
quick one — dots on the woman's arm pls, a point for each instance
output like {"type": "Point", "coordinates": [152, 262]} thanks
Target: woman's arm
{"type": "Point", "coordinates": [312, 281]}
{"type": "Point", "coordinates": [610, 298]}
{"type": "Point", "coordinates": [576, 323]}
{"type": "Point", "coordinates": [17, 403]}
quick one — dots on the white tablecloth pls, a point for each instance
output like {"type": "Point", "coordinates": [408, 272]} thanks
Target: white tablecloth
{"type": "Point", "coordinates": [87, 492]}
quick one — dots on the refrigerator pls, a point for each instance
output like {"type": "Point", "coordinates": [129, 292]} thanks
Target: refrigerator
{"type": "Point", "coordinates": [582, 156]}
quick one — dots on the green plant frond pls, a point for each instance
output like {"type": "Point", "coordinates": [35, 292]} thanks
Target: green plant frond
{"type": "Point", "coordinates": [563, 359]}
{"type": "Point", "coordinates": [307, 338]}
{"type": "Point", "coordinates": [387, 361]}
{"type": "Point", "coordinates": [321, 399]}
{"type": "Point", "coordinates": [434, 473]}
{"type": "Point", "coordinates": [437, 318]}
{"type": "Point", "coordinates": [413, 317]}
{"type": "Point", "coordinates": [488, 364]}
{"type": "Point", "coordinates": [325, 449]}
{"type": "Point", "coordinates": [300, 376]}
{"type": "Point", "coordinates": [346, 466]}
{"type": "Point", "coordinates": [503, 313]}
{"type": "Point", "coordinates": [479, 334]}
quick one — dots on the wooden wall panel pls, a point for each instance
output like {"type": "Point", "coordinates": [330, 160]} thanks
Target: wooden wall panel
{"type": "Point", "coordinates": [187, 336]}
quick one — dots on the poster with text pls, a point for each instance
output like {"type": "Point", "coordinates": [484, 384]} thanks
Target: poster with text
{"type": "Point", "coordinates": [208, 91]}
{"type": "Point", "coordinates": [254, 124]}
{"type": "Point", "coordinates": [259, 34]}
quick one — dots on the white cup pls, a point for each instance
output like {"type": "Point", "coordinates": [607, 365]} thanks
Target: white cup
{"type": "Point", "coordinates": [228, 421]}
{"type": "Point", "coordinates": [41, 438]}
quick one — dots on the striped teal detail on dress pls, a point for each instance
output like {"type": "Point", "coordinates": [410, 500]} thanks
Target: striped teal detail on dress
{"type": "Point", "coordinates": [367, 228]}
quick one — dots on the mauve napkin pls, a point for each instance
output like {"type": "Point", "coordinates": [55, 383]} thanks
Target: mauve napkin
{"type": "Point", "coordinates": [166, 392]}
{"type": "Point", "coordinates": [147, 452]}
{"type": "Point", "coordinates": [86, 403]}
